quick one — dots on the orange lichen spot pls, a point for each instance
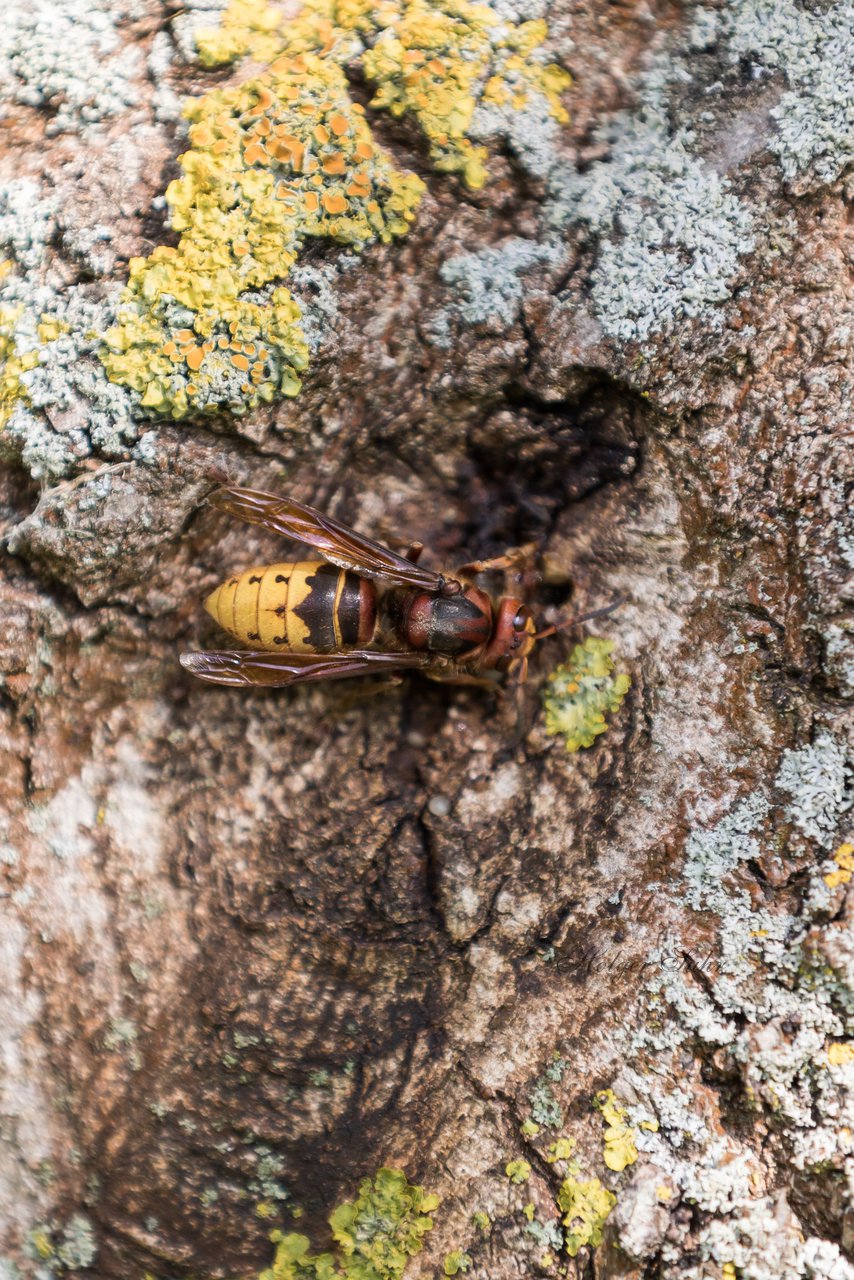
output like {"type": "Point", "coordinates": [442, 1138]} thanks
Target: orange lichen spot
{"type": "Point", "coordinates": [287, 147]}
{"type": "Point", "coordinates": [334, 202]}
{"type": "Point", "coordinates": [358, 108]}
{"type": "Point", "coordinates": [364, 150]}
{"type": "Point", "coordinates": [322, 134]}
{"type": "Point", "coordinates": [222, 344]}
{"type": "Point", "coordinates": [263, 128]}
{"type": "Point", "coordinates": [184, 336]}
{"type": "Point", "coordinates": [169, 349]}
{"type": "Point", "coordinates": [255, 153]}
{"type": "Point", "coordinates": [249, 348]}
{"type": "Point", "coordinates": [241, 363]}
{"type": "Point", "coordinates": [265, 101]}
{"type": "Point", "coordinates": [311, 201]}
{"type": "Point", "coordinates": [334, 164]}
{"type": "Point", "coordinates": [339, 125]}
{"type": "Point", "coordinates": [413, 55]}
{"type": "Point", "coordinates": [194, 358]}
{"type": "Point", "coordinates": [241, 250]}
{"type": "Point", "coordinates": [201, 135]}
{"type": "Point", "coordinates": [219, 147]}
{"type": "Point", "coordinates": [372, 206]}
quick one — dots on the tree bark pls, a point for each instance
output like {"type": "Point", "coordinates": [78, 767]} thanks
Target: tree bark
{"type": "Point", "coordinates": [258, 945]}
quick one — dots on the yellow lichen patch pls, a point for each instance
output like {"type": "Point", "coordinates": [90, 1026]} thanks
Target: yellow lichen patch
{"type": "Point", "coordinates": [518, 1170]}
{"type": "Point", "coordinates": [439, 60]}
{"type": "Point", "coordinates": [247, 27]}
{"type": "Point", "coordinates": [581, 692]}
{"type": "Point", "coordinates": [619, 1137]}
{"type": "Point", "coordinates": [375, 1235]}
{"type": "Point", "coordinates": [560, 1150]}
{"type": "Point", "coordinates": [435, 60]}
{"type": "Point", "coordinates": [839, 1054]}
{"type": "Point", "coordinates": [586, 1206]}
{"type": "Point", "coordinates": [243, 211]}
{"type": "Point", "coordinates": [49, 329]}
{"type": "Point", "coordinates": [18, 354]}
{"type": "Point", "coordinates": [844, 859]}
{"type": "Point", "coordinates": [287, 155]}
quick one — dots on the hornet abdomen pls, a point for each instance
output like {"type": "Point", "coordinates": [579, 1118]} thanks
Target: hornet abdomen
{"type": "Point", "coordinates": [304, 607]}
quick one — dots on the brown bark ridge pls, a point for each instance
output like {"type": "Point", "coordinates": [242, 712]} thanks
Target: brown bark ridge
{"type": "Point", "coordinates": [258, 945]}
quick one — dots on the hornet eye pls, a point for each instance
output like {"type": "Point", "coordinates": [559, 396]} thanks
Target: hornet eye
{"type": "Point", "coordinates": [520, 622]}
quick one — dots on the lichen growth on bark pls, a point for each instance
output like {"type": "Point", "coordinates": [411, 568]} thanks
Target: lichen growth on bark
{"type": "Point", "coordinates": [286, 156]}
{"type": "Point", "coordinates": [582, 691]}
{"type": "Point", "coordinates": [376, 1235]}
{"type": "Point", "coordinates": [586, 1207]}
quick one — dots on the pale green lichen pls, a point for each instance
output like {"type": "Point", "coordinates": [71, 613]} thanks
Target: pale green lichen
{"type": "Point", "coordinates": [586, 1207]}
{"type": "Point", "coordinates": [775, 1005]}
{"type": "Point", "coordinates": [487, 286]}
{"type": "Point", "coordinates": [814, 51]}
{"type": "Point", "coordinates": [670, 230]}
{"type": "Point", "coordinates": [518, 1171]}
{"type": "Point", "coordinates": [456, 1263]}
{"type": "Point", "coordinates": [68, 56]}
{"type": "Point", "coordinates": [581, 692]}
{"type": "Point", "coordinates": [819, 779]}
{"type": "Point", "coordinates": [545, 1110]}
{"type": "Point", "coordinates": [69, 1247]}
{"type": "Point", "coordinates": [376, 1235]}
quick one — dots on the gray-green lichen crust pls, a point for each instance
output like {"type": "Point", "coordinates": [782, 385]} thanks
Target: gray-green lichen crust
{"type": "Point", "coordinates": [777, 1005]}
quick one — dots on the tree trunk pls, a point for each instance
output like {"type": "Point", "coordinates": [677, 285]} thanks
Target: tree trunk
{"type": "Point", "coordinates": [257, 946]}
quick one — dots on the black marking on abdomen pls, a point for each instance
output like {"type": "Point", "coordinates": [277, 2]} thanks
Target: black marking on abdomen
{"type": "Point", "coordinates": [350, 609]}
{"type": "Point", "coordinates": [317, 610]}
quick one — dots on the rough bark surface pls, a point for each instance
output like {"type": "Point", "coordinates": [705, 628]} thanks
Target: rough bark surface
{"type": "Point", "coordinates": [257, 945]}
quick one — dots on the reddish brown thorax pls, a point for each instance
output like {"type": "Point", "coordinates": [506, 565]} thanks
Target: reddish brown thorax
{"type": "Point", "coordinates": [443, 624]}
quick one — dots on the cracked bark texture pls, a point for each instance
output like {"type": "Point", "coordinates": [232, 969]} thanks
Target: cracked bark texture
{"type": "Point", "coordinates": [266, 941]}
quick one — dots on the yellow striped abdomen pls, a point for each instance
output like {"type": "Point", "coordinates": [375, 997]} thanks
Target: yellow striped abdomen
{"type": "Point", "coordinates": [306, 606]}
